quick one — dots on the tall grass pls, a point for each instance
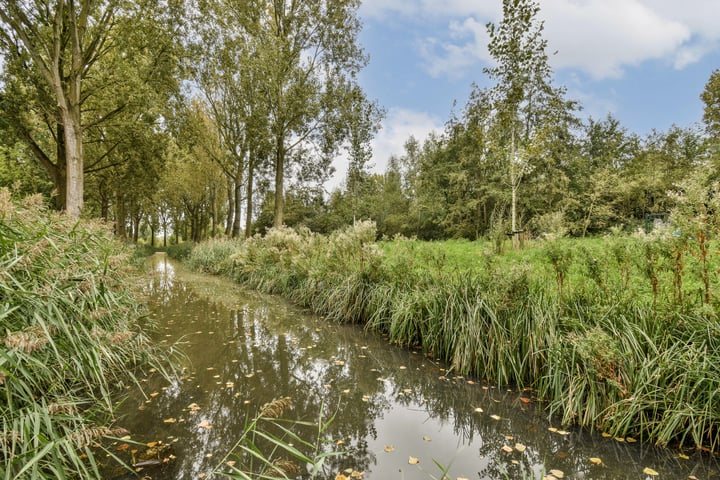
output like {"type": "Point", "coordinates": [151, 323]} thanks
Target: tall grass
{"type": "Point", "coordinates": [618, 333]}
{"type": "Point", "coordinates": [68, 340]}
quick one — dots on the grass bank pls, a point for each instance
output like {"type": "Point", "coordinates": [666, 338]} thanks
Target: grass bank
{"type": "Point", "coordinates": [69, 339]}
{"type": "Point", "coordinates": [619, 333]}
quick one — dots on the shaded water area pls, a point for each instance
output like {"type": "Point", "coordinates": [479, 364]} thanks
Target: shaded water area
{"type": "Point", "coordinates": [244, 349]}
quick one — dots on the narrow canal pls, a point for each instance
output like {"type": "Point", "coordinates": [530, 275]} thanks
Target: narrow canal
{"type": "Point", "coordinates": [398, 414]}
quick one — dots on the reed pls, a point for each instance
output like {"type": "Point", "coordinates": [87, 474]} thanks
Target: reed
{"type": "Point", "coordinates": [69, 338]}
{"type": "Point", "coordinates": [604, 330]}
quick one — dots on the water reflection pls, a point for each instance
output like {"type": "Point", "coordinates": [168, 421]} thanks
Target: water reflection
{"type": "Point", "coordinates": [244, 349]}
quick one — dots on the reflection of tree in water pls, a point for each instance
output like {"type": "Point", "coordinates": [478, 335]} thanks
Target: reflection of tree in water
{"type": "Point", "coordinates": [249, 349]}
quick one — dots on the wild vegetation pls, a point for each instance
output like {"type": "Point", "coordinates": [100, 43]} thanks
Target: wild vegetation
{"type": "Point", "coordinates": [70, 339]}
{"type": "Point", "coordinates": [613, 333]}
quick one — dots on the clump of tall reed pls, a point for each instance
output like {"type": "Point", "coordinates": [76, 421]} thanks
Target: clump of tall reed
{"type": "Point", "coordinates": [603, 329]}
{"type": "Point", "coordinates": [68, 339]}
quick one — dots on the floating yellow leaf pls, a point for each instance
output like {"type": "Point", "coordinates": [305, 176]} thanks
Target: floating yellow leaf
{"type": "Point", "coordinates": [479, 410]}
{"type": "Point", "coordinates": [619, 439]}
{"type": "Point", "coordinates": [557, 473]}
{"type": "Point", "coordinates": [413, 460]}
{"type": "Point", "coordinates": [630, 440]}
{"type": "Point", "coordinates": [683, 456]}
{"type": "Point", "coordinates": [205, 424]}
{"type": "Point", "coordinates": [553, 429]}
{"type": "Point", "coordinates": [170, 420]}
{"type": "Point", "coordinates": [356, 474]}
{"type": "Point", "coordinates": [427, 439]}
{"type": "Point", "coordinates": [595, 460]}
{"type": "Point", "coordinates": [507, 449]}
{"type": "Point", "coordinates": [389, 448]}
{"type": "Point", "coordinates": [606, 435]}
{"type": "Point", "coordinates": [340, 476]}
{"type": "Point", "coordinates": [495, 417]}
{"type": "Point", "coordinates": [151, 444]}
{"type": "Point", "coordinates": [520, 447]}
{"type": "Point", "coordinates": [403, 367]}
{"type": "Point", "coordinates": [650, 471]}
{"type": "Point", "coordinates": [230, 463]}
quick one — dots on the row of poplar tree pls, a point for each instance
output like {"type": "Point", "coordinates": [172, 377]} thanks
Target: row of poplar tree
{"type": "Point", "coordinates": [207, 117]}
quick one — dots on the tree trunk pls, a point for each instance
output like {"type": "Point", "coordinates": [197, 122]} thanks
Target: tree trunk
{"type": "Point", "coordinates": [231, 207]}
{"type": "Point", "coordinates": [120, 215]}
{"type": "Point", "coordinates": [238, 202]}
{"type": "Point", "coordinates": [279, 181]}
{"type": "Point", "coordinates": [248, 201]}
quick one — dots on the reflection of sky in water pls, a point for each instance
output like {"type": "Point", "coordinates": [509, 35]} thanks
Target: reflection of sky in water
{"type": "Point", "coordinates": [244, 349]}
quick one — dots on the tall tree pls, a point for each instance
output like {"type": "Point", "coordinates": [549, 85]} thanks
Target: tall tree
{"type": "Point", "coordinates": [309, 58]}
{"type": "Point", "coordinates": [526, 105]}
{"type": "Point", "coordinates": [711, 98]}
{"type": "Point", "coordinates": [62, 55]}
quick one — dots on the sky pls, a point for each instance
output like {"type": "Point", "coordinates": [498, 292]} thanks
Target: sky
{"type": "Point", "coordinates": [646, 62]}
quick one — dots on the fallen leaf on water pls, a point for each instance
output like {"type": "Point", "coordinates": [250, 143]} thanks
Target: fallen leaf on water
{"type": "Point", "coordinates": [230, 463]}
{"type": "Point", "coordinates": [595, 460]}
{"type": "Point", "coordinates": [479, 410]}
{"type": "Point", "coordinates": [650, 471]}
{"type": "Point", "coordinates": [403, 367]}
{"type": "Point", "coordinates": [413, 460]}
{"type": "Point", "coordinates": [154, 394]}
{"type": "Point", "coordinates": [389, 448]}
{"type": "Point", "coordinates": [193, 407]}
{"type": "Point", "coordinates": [123, 446]}
{"type": "Point", "coordinates": [170, 420]}
{"type": "Point", "coordinates": [520, 447]}
{"type": "Point", "coordinates": [605, 435]}
{"type": "Point", "coordinates": [630, 440]}
{"type": "Point", "coordinates": [427, 439]}
{"type": "Point", "coordinates": [683, 456]}
{"type": "Point", "coordinates": [205, 424]}
{"type": "Point", "coordinates": [507, 449]}
{"type": "Point", "coordinates": [341, 476]}
{"type": "Point", "coordinates": [525, 400]}
{"type": "Point", "coordinates": [619, 439]}
{"type": "Point", "coordinates": [495, 417]}
{"type": "Point", "coordinates": [151, 444]}
{"type": "Point", "coordinates": [557, 473]}
{"type": "Point", "coordinates": [553, 429]}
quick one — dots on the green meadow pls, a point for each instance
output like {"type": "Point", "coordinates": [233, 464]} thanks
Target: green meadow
{"type": "Point", "coordinates": [617, 333]}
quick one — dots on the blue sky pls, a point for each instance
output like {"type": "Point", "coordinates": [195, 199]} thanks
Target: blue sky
{"type": "Point", "coordinates": [644, 61]}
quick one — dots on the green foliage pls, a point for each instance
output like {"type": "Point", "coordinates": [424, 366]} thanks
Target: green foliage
{"type": "Point", "coordinates": [594, 326]}
{"type": "Point", "coordinates": [70, 339]}
{"type": "Point", "coordinates": [180, 251]}
{"type": "Point", "coordinates": [269, 449]}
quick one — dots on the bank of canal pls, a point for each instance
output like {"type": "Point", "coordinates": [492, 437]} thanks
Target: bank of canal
{"type": "Point", "coordinates": [245, 349]}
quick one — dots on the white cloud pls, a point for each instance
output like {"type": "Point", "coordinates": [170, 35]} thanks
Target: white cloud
{"type": "Point", "coordinates": [599, 37]}
{"type": "Point", "coordinates": [398, 126]}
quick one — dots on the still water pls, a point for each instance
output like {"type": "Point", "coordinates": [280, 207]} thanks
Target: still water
{"type": "Point", "coordinates": [244, 349]}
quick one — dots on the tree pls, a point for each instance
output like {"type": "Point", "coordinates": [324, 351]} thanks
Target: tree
{"type": "Point", "coordinates": [308, 59]}
{"type": "Point", "coordinates": [711, 98]}
{"type": "Point", "coordinates": [525, 104]}
{"type": "Point", "coordinates": [62, 56]}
